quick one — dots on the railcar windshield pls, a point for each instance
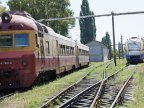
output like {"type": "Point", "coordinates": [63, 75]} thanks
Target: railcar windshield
{"type": "Point", "coordinates": [134, 46]}
{"type": "Point", "coordinates": [5, 40]}
{"type": "Point", "coordinates": [21, 40]}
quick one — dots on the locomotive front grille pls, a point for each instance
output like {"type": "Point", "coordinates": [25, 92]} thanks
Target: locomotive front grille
{"type": "Point", "coordinates": [135, 57]}
{"type": "Point", "coordinates": [8, 73]}
{"type": "Point", "coordinates": [10, 84]}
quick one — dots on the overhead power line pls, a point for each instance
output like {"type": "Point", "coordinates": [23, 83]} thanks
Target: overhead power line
{"type": "Point", "coordinates": [89, 16]}
{"type": "Point", "coordinates": [67, 18]}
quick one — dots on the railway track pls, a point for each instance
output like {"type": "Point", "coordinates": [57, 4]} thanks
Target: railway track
{"type": "Point", "coordinates": [72, 90]}
{"type": "Point", "coordinates": [91, 96]}
{"type": "Point", "coordinates": [110, 95]}
{"type": "Point", "coordinates": [6, 95]}
{"type": "Point", "coordinates": [87, 97]}
{"type": "Point", "coordinates": [120, 94]}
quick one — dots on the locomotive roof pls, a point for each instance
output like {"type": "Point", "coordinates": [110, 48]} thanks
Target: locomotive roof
{"type": "Point", "coordinates": [18, 20]}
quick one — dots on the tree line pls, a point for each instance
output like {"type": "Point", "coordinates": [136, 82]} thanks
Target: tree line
{"type": "Point", "coordinates": [45, 9]}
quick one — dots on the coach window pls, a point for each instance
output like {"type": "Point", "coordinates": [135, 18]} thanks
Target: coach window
{"type": "Point", "coordinates": [60, 49]}
{"type": "Point", "coordinates": [72, 51]}
{"type": "Point", "coordinates": [21, 40]}
{"type": "Point", "coordinates": [63, 49]}
{"type": "Point", "coordinates": [79, 52]}
{"type": "Point", "coordinates": [47, 48]}
{"type": "Point", "coordinates": [66, 50]}
{"type": "Point", "coordinates": [5, 40]}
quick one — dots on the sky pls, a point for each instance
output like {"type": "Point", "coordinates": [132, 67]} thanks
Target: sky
{"type": "Point", "coordinates": [127, 26]}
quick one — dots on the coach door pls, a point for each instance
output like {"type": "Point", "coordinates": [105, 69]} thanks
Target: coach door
{"type": "Point", "coordinates": [55, 54]}
{"type": "Point", "coordinates": [42, 52]}
{"type": "Point", "coordinates": [77, 56]}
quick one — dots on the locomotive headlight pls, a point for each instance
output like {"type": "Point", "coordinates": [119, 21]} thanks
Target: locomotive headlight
{"type": "Point", "coordinates": [24, 62]}
{"type": "Point", "coordinates": [6, 17]}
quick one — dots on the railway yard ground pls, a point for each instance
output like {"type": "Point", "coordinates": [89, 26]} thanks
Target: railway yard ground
{"type": "Point", "coordinates": [39, 95]}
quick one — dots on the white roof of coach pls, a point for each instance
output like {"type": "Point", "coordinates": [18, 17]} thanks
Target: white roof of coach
{"type": "Point", "coordinates": [82, 46]}
{"type": "Point", "coordinates": [53, 33]}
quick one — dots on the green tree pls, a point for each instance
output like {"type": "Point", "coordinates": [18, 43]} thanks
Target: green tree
{"type": "Point", "coordinates": [87, 25]}
{"type": "Point", "coordinates": [2, 8]}
{"type": "Point", "coordinates": [107, 42]}
{"type": "Point", "coordinates": [45, 9]}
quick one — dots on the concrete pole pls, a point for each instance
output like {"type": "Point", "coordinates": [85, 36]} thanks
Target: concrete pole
{"type": "Point", "coordinates": [113, 28]}
{"type": "Point", "coordinates": [122, 46]}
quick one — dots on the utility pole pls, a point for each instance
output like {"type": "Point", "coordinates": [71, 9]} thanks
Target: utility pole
{"type": "Point", "coordinates": [113, 28]}
{"type": "Point", "coordinates": [122, 46]}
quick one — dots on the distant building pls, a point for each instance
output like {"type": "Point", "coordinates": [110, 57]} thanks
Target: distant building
{"type": "Point", "coordinates": [98, 51]}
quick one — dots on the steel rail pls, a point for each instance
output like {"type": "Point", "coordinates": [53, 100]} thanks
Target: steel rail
{"type": "Point", "coordinates": [62, 92]}
{"type": "Point", "coordinates": [5, 96]}
{"type": "Point", "coordinates": [95, 101]}
{"type": "Point", "coordinates": [66, 104]}
{"type": "Point", "coordinates": [121, 91]}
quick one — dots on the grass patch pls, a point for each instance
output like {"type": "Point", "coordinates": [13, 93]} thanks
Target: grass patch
{"type": "Point", "coordinates": [37, 95]}
{"type": "Point", "coordinates": [138, 88]}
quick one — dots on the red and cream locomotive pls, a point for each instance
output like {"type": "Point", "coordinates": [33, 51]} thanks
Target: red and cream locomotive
{"type": "Point", "coordinates": [29, 48]}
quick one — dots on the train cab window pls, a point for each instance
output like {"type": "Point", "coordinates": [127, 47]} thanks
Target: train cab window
{"type": "Point", "coordinates": [5, 40]}
{"type": "Point", "coordinates": [47, 48]}
{"type": "Point", "coordinates": [21, 40]}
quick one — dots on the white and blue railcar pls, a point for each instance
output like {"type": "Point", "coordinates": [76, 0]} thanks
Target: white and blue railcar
{"type": "Point", "coordinates": [135, 50]}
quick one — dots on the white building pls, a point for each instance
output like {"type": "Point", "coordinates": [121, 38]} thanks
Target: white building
{"type": "Point", "coordinates": [98, 52]}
